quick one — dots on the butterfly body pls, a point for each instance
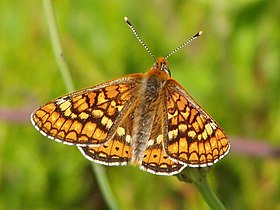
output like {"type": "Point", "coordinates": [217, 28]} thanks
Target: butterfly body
{"type": "Point", "coordinates": [148, 103]}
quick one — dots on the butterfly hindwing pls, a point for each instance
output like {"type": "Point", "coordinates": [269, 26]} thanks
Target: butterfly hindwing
{"type": "Point", "coordinates": [116, 151]}
{"type": "Point", "coordinates": [155, 159]}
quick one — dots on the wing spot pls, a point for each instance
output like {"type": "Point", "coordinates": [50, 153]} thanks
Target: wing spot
{"type": "Point", "coordinates": [83, 115]}
{"type": "Point", "coordinates": [192, 134]}
{"type": "Point", "coordinates": [213, 142]}
{"type": "Point", "coordinates": [159, 139]}
{"type": "Point", "coordinates": [173, 134]}
{"type": "Point", "coordinates": [54, 117]}
{"type": "Point", "coordinates": [193, 158]}
{"type": "Point", "coordinates": [193, 114]}
{"type": "Point", "coordinates": [204, 134]}
{"type": "Point", "coordinates": [76, 98]}
{"type": "Point", "coordinates": [82, 106]}
{"type": "Point", "coordinates": [196, 127]}
{"type": "Point", "coordinates": [186, 113]}
{"type": "Point", "coordinates": [182, 127]}
{"type": "Point", "coordinates": [181, 105]}
{"type": "Point", "coordinates": [173, 148]}
{"type": "Point", "coordinates": [97, 113]}
{"type": "Point", "coordinates": [73, 115]}
{"type": "Point", "coordinates": [193, 147]}
{"type": "Point", "coordinates": [209, 129]}
{"type": "Point", "coordinates": [219, 134]}
{"type": "Point", "coordinates": [39, 114]}
{"type": "Point", "coordinates": [89, 128]}
{"type": "Point", "coordinates": [59, 122]}
{"type": "Point", "coordinates": [71, 136]}
{"type": "Point", "coordinates": [111, 91]}
{"type": "Point", "coordinates": [128, 138]}
{"type": "Point", "coordinates": [183, 144]}
{"type": "Point", "coordinates": [64, 105]}
{"type": "Point", "coordinates": [67, 112]}
{"type": "Point", "coordinates": [76, 126]}
{"type": "Point", "coordinates": [99, 134]}
{"type": "Point", "coordinates": [207, 147]}
{"type": "Point", "coordinates": [120, 131]}
{"type": "Point", "coordinates": [91, 98]}
{"type": "Point", "coordinates": [106, 122]}
{"type": "Point", "coordinates": [171, 115]}
{"type": "Point", "coordinates": [151, 142]}
{"type": "Point", "coordinates": [101, 98]}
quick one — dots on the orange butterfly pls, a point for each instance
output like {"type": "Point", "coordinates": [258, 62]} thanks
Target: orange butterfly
{"type": "Point", "coordinates": [143, 119]}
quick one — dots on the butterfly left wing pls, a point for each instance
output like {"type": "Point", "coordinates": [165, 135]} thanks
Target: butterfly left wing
{"type": "Point", "coordinates": [194, 138]}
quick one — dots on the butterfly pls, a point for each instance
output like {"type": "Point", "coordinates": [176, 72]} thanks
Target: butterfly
{"type": "Point", "coordinates": [145, 119]}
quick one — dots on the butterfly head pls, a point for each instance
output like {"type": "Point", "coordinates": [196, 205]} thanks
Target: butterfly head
{"type": "Point", "coordinates": [162, 64]}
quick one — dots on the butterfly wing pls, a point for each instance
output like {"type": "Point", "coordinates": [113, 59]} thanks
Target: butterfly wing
{"type": "Point", "coordinates": [89, 116]}
{"type": "Point", "coordinates": [155, 159]}
{"type": "Point", "coordinates": [116, 151]}
{"type": "Point", "coordinates": [194, 138]}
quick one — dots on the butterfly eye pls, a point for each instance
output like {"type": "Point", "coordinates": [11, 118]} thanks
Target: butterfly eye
{"type": "Point", "coordinates": [168, 72]}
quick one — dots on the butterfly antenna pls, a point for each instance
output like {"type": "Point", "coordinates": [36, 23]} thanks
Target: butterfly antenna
{"type": "Point", "coordinates": [184, 44]}
{"type": "Point", "coordinates": [138, 37]}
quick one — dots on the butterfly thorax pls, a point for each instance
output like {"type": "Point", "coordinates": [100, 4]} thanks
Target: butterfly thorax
{"type": "Point", "coordinates": [153, 83]}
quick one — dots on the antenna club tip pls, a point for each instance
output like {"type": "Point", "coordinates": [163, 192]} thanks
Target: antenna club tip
{"type": "Point", "coordinates": [127, 21]}
{"type": "Point", "coordinates": [198, 34]}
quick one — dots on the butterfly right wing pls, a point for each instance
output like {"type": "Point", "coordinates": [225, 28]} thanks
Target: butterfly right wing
{"type": "Point", "coordinates": [155, 159]}
{"type": "Point", "coordinates": [194, 138]}
{"type": "Point", "coordinates": [90, 116]}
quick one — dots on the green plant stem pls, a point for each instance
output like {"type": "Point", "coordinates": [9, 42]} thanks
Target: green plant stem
{"type": "Point", "coordinates": [105, 186]}
{"type": "Point", "coordinates": [64, 70]}
{"type": "Point", "coordinates": [198, 177]}
{"type": "Point", "coordinates": [56, 44]}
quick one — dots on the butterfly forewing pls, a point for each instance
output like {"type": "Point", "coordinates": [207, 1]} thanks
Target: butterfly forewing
{"type": "Point", "coordinates": [89, 116]}
{"type": "Point", "coordinates": [194, 138]}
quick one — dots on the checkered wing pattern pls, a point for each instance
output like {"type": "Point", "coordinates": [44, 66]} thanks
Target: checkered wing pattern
{"type": "Point", "coordinates": [90, 116]}
{"type": "Point", "coordinates": [194, 138]}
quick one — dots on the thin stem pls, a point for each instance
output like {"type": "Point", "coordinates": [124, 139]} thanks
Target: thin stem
{"type": "Point", "coordinates": [104, 186]}
{"type": "Point", "coordinates": [198, 177]}
{"type": "Point", "coordinates": [64, 70]}
{"type": "Point", "coordinates": [56, 44]}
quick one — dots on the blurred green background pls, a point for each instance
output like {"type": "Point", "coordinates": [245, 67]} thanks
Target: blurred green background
{"type": "Point", "coordinates": [233, 71]}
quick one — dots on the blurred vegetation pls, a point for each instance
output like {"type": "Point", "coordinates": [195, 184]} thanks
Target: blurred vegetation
{"type": "Point", "coordinates": [233, 71]}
